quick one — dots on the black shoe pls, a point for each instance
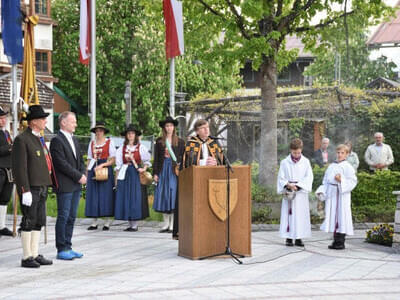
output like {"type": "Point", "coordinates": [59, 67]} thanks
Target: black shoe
{"type": "Point", "coordinates": [43, 261]}
{"type": "Point", "coordinates": [29, 263]}
{"type": "Point", "coordinates": [289, 242]}
{"type": "Point", "coordinates": [163, 230]}
{"type": "Point", "coordinates": [299, 243]}
{"type": "Point", "coordinates": [131, 229]}
{"type": "Point", "coordinates": [106, 228]}
{"type": "Point", "coordinates": [5, 231]}
{"type": "Point", "coordinates": [336, 246]}
{"type": "Point", "coordinates": [91, 227]}
{"type": "Point", "coordinates": [175, 237]}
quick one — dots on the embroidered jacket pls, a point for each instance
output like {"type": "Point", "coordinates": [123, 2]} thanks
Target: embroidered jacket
{"type": "Point", "coordinates": [193, 151]}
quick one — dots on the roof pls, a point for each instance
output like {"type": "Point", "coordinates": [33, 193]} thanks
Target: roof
{"type": "Point", "coordinates": [388, 33]}
{"type": "Point", "coordinates": [379, 80]}
{"type": "Point", "coordinates": [293, 42]}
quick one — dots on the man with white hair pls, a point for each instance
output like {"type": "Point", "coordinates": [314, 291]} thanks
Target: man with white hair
{"type": "Point", "coordinates": [379, 156]}
{"type": "Point", "coordinates": [322, 157]}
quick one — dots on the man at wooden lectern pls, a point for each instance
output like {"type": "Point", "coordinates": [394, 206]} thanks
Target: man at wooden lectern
{"type": "Point", "coordinates": [200, 150]}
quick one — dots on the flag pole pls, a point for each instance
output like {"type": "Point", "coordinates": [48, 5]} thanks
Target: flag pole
{"type": "Point", "coordinates": [93, 63]}
{"type": "Point", "coordinates": [172, 87]}
{"type": "Point", "coordinates": [15, 123]}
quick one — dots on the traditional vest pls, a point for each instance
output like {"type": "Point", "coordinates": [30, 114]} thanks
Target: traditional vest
{"type": "Point", "coordinates": [136, 154]}
{"type": "Point", "coordinates": [101, 152]}
{"type": "Point", "coordinates": [193, 151]}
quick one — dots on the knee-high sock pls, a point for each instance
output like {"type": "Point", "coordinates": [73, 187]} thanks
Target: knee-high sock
{"type": "Point", "coordinates": [171, 222]}
{"type": "Point", "coordinates": [26, 243]}
{"type": "Point", "coordinates": [35, 239]}
{"type": "Point", "coordinates": [3, 213]}
{"type": "Point", "coordinates": [166, 221]}
{"type": "Point", "coordinates": [108, 222]}
{"type": "Point", "coordinates": [133, 224]}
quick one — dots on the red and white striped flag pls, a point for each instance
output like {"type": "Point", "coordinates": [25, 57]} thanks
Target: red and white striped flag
{"type": "Point", "coordinates": [84, 33]}
{"type": "Point", "coordinates": [173, 28]}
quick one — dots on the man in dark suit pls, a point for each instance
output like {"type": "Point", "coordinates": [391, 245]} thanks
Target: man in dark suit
{"type": "Point", "coordinates": [32, 169]}
{"type": "Point", "coordinates": [70, 172]}
{"type": "Point", "coordinates": [6, 184]}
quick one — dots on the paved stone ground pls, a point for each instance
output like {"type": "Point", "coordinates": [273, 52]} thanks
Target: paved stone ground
{"type": "Point", "coordinates": [145, 265]}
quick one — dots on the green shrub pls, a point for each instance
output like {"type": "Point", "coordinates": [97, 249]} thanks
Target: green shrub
{"type": "Point", "coordinates": [318, 173]}
{"type": "Point", "coordinates": [261, 215]}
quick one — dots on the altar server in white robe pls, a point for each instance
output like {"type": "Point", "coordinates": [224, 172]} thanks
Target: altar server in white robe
{"type": "Point", "coordinates": [295, 175]}
{"type": "Point", "coordinates": [339, 180]}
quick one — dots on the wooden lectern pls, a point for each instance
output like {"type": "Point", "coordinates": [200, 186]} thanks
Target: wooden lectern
{"type": "Point", "coordinates": [201, 231]}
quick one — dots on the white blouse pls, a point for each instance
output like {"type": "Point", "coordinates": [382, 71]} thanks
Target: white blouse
{"type": "Point", "coordinates": [144, 155]}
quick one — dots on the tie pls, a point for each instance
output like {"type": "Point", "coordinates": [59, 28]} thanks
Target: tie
{"type": "Point", "coordinates": [8, 137]}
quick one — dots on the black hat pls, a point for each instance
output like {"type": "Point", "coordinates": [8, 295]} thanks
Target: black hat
{"type": "Point", "coordinates": [100, 125]}
{"type": "Point", "coordinates": [168, 119]}
{"type": "Point", "coordinates": [130, 127]}
{"type": "Point", "coordinates": [36, 112]}
{"type": "Point", "coordinates": [2, 112]}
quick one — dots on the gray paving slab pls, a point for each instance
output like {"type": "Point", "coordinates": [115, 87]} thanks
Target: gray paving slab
{"type": "Point", "coordinates": [145, 265]}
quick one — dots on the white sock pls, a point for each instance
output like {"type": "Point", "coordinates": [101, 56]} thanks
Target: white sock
{"type": "Point", "coordinates": [3, 214]}
{"type": "Point", "coordinates": [171, 221]}
{"type": "Point", "coordinates": [35, 239]}
{"type": "Point", "coordinates": [108, 222]}
{"type": "Point", "coordinates": [133, 224]}
{"type": "Point", "coordinates": [166, 221]}
{"type": "Point", "coordinates": [26, 243]}
{"type": "Point", "coordinates": [94, 222]}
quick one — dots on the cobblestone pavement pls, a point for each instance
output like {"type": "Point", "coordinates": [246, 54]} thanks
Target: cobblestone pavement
{"type": "Point", "coordinates": [145, 265]}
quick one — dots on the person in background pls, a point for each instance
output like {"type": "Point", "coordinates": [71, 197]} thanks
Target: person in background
{"type": "Point", "coordinates": [338, 182]}
{"type": "Point", "coordinates": [322, 156]}
{"type": "Point", "coordinates": [379, 155]}
{"type": "Point", "coordinates": [131, 197]}
{"type": "Point", "coordinates": [6, 184]}
{"type": "Point", "coordinates": [70, 172]}
{"type": "Point", "coordinates": [168, 154]}
{"type": "Point", "coordinates": [100, 194]}
{"type": "Point", "coordinates": [33, 173]}
{"type": "Point", "coordinates": [295, 177]}
{"type": "Point", "coordinates": [352, 158]}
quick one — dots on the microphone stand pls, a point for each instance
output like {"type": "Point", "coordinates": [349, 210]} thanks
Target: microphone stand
{"type": "Point", "coordinates": [228, 250]}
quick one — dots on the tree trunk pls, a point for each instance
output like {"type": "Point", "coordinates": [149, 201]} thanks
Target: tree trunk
{"type": "Point", "coordinates": [268, 142]}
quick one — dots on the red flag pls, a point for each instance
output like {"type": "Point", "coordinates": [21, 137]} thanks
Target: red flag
{"type": "Point", "coordinates": [173, 28]}
{"type": "Point", "coordinates": [84, 33]}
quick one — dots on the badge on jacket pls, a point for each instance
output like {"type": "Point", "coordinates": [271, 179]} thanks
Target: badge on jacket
{"type": "Point", "coordinates": [38, 152]}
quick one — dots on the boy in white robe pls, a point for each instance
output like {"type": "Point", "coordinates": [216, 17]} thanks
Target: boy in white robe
{"type": "Point", "coordinates": [339, 180]}
{"type": "Point", "coordinates": [295, 175]}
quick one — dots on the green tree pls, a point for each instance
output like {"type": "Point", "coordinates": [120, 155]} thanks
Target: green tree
{"type": "Point", "coordinates": [130, 46]}
{"type": "Point", "coordinates": [357, 69]}
{"type": "Point", "coordinates": [256, 30]}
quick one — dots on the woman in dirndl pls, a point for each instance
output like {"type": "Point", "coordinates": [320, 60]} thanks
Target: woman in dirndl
{"type": "Point", "coordinates": [168, 153]}
{"type": "Point", "coordinates": [131, 197]}
{"type": "Point", "coordinates": [100, 194]}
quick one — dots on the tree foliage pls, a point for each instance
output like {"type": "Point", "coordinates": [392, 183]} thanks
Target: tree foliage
{"type": "Point", "coordinates": [256, 30]}
{"type": "Point", "coordinates": [357, 69]}
{"type": "Point", "coordinates": [130, 46]}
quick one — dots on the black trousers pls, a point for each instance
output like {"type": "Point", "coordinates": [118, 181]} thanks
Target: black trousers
{"type": "Point", "coordinates": [5, 187]}
{"type": "Point", "coordinates": [34, 216]}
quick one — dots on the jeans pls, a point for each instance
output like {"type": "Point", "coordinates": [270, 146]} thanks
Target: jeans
{"type": "Point", "coordinates": [67, 207]}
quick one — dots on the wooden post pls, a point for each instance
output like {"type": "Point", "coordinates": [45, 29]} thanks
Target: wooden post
{"type": "Point", "coordinates": [396, 235]}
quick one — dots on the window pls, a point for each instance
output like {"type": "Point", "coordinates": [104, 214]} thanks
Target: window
{"type": "Point", "coordinates": [41, 7]}
{"type": "Point", "coordinates": [42, 62]}
{"type": "Point", "coordinates": [284, 75]}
